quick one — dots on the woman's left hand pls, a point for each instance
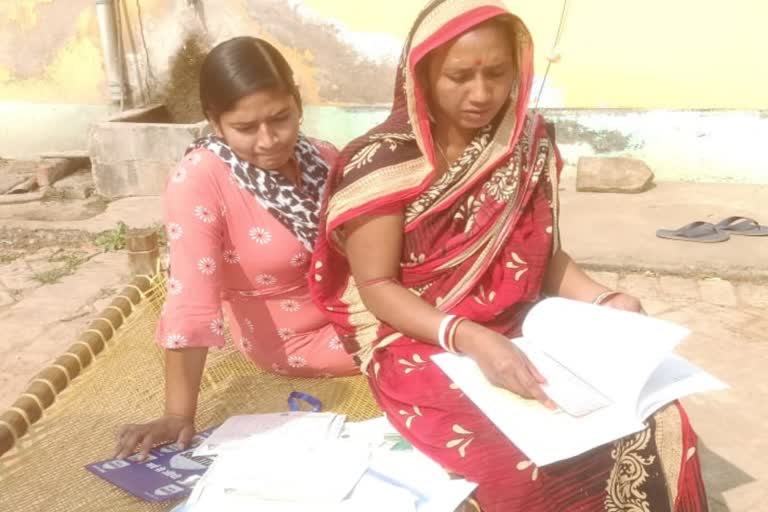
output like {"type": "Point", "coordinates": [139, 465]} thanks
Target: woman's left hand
{"type": "Point", "coordinates": [625, 302]}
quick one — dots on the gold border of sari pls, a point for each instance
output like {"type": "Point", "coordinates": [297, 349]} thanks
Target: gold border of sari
{"type": "Point", "coordinates": [669, 443]}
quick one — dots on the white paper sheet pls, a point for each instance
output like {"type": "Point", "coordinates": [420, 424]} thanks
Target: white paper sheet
{"type": "Point", "coordinates": [273, 481]}
{"type": "Point", "coordinates": [572, 394]}
{"type": "Point", "coordinates": [321, 472]}
{"type": "Point", "coordinates": [306, 427]}
{"type": "Point", "coordinates": [674, 379]}
{"type": "Point", "coordinates": [545, 436]}
{"type": "Point", "coordinates": [614, 351]}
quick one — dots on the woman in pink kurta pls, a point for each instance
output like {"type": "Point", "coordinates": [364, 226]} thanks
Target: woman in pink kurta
{"type": "Point", "coordinates": [242, 210]}
{"type": "Point", "coordinates": [233, 262]}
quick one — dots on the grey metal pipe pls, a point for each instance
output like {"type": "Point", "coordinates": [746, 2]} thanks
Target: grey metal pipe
{"type": "Point", "coordinates": [105, 14]}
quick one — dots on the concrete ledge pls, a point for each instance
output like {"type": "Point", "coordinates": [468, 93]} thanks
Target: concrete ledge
{"type": "Point", "coordinates": [155, 113]}
{"type": "Point", "coordinates": [131, 154]}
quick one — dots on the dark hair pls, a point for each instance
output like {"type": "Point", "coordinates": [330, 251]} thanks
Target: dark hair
{"type": "Point", "coordinates": [239, 67]}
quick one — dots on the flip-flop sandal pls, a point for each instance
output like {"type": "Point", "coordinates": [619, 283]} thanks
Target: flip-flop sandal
{"type": "Point", "coordinates": [698, 231]}
{"type": "Point", "coordinates": [742, 226]}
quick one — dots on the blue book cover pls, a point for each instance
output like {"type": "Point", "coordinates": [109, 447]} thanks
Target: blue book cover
{"type": "Point", "coordinates": [168, 473]}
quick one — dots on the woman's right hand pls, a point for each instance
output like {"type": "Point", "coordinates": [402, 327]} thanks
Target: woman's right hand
{"type": "Point", "coordinates": [502, 363]}
{"type": "Point", "coordinates": [141, 438]}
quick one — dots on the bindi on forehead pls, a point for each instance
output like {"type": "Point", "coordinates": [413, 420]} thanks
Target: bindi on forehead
{"type": "Point", "coordinates": [476, 63]}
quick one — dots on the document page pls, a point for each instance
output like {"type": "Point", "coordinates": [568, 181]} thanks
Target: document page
{"type": "Point", "coordinates": [673, 379]}
{"type": "Point", "coordinates": [614, 351]}
{"type": "Point", "coordinates": [300, 426]}
{"type": "Point", "coordinates": [320, 472]}
{"type": "Point", "coordinates": [571, 393]}
{"type": "Point", "coordinates": [545, 436]}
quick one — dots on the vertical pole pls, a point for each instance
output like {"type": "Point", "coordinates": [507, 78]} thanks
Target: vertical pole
{"type": "Point", "coordinates": [105, 14]}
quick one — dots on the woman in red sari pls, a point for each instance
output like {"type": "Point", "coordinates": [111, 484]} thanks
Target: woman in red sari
{"type": "Point", "coordinates": [444, 219]}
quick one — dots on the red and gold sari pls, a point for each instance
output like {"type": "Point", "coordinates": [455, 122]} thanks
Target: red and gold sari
{"type": "Point", "coordinates": [477, 242]}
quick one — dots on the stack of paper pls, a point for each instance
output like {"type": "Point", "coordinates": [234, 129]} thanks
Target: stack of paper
{"type": "Point", "coordinates": [323, 472]}
{"type": "Point", "coordinates": [293, 462]}
{"type": "Point", "coordinates": [265, 429]}
{"type": "Point", "coordinates": [413, 474]}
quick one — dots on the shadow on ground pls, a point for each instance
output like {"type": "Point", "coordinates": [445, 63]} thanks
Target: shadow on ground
{"type": "Point", "coordinates": [720, 476]}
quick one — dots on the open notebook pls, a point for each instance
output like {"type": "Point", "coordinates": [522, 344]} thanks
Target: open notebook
{"type": "Point", "coordinates": [607, 370]}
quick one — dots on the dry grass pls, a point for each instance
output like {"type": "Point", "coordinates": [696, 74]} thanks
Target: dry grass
{"type": "Point", "coordinates": [180, 94]}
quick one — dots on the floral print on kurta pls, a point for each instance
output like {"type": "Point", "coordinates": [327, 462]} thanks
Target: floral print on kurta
{"type": "Point", "coordinates": [233, 264]}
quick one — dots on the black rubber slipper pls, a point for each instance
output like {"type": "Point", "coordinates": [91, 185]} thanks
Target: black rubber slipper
{"type": "Point", "coordinates": [699, 231]}
{"type": "Point", "coordinates": [742, 226]}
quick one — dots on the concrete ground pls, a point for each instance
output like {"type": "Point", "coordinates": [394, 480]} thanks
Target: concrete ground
{"type": "Point", "coordinates": [719, 290]}
{"type": "Point", "coordinates": [619, 230]}
{"type": "Point", "coordinates": [48, 318]}
{"type": "Point", "coordinates": [729, 321]}
{"type": "Point", "coordinates": [608, 231]}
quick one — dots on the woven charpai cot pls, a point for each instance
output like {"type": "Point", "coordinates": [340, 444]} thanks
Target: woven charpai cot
{"type": "Point", "coordinates": [112, 376]}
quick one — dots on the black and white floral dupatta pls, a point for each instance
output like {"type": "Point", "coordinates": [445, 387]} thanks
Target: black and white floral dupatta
{"type": "Point", "coordinates": [296, 209]}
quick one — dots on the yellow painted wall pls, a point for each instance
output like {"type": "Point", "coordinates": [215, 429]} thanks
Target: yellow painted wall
{"type": "Point", "coordinates": [664, 54]}
{"type": "Point", "coordinates": [23, 12]}
{"type": "Point", "coordinates": [625, 53]}
{"type": "Point", "coordinates": [676, 54]}
{"type": "Point", "coordinates": [73, 71]}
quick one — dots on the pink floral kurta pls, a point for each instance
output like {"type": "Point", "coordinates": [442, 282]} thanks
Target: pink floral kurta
{"type": "Point", "coordinates": [231, 261]}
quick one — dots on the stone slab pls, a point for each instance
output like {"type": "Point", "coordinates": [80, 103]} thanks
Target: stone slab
{"type": "Point", "coordinates": [133, 159]}
{"type": "Point", "coordinates": [612, 174]}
